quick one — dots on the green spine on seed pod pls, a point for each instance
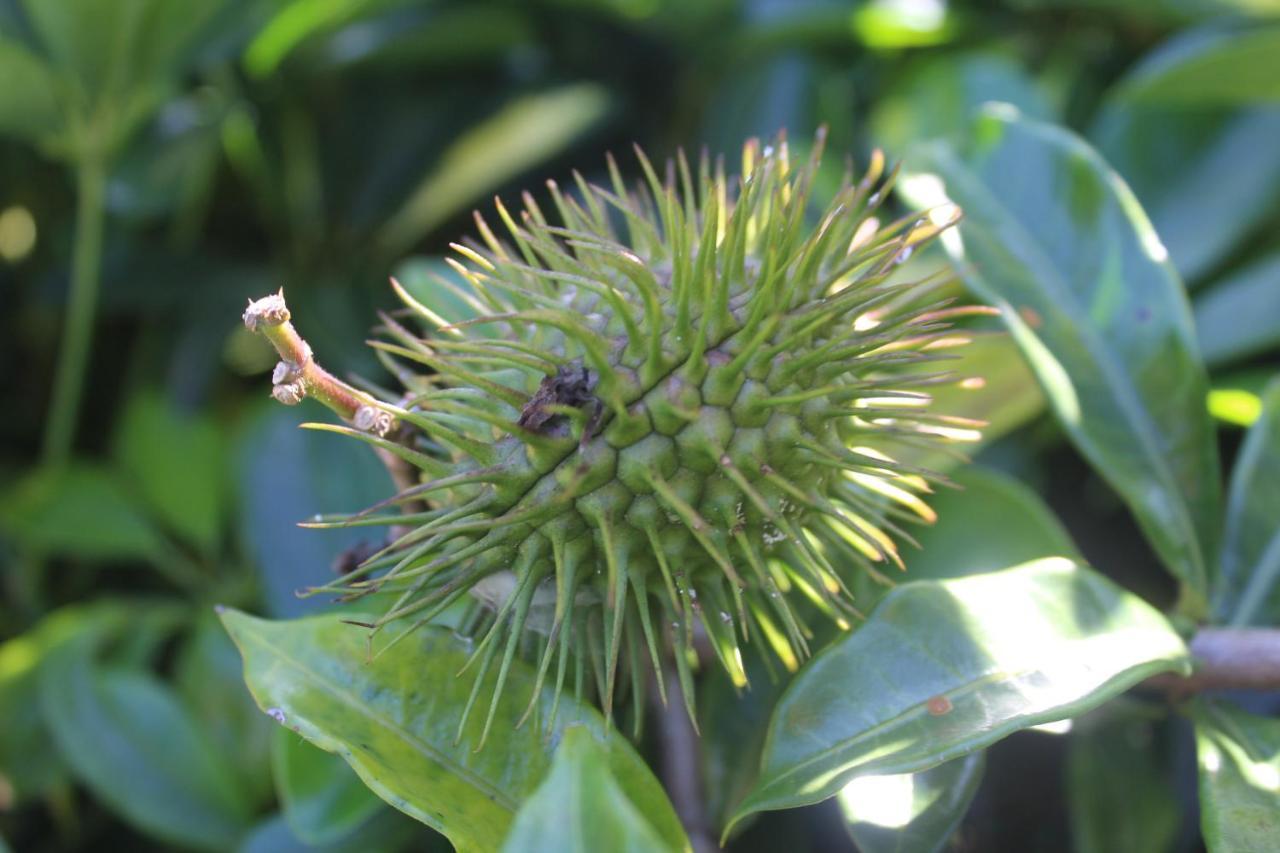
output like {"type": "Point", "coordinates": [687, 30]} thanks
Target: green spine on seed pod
{"type": "Point", "coordinates": [673, 415]}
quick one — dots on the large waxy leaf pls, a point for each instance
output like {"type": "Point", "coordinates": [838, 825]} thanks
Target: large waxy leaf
{"type": "Point", "coordinates": [581, 808]}
{"type": "Point", "coordinates": [1247, 591]}
{"type": "Point", "coordinates": [322, 799]}
{"type": "Point", "coordinates": [1119, 783]}
{"type": "Point", "coordinates": [517, 137]}
{"type": "Point", "coordinates": [125, 735]}
{"type": "Point", "coordinates": [1239, 757]}
{"type": "Point", "coordinates": [81, 510]}
{"type": "Point", "coordinates": [395, 719]}
{"type": "Point", "coordinates": [911, 812]}
{"type": "Point", "coordinates": [1213, 65]}
{"type": "Point", "coordinates": [1206, 177]}
{"type": "Point", "coordinates": [1055, 239]}
{"type": "Point", "coordinates": [29, 96]}
{"type": "Point", "coordinates": [942, 669]}
{"type": "Point", "coordinates": [176, 465]}
{"type": "Point", "coordinates": [1240, 315]}
{"type": "Point", "coordinates": [992, 521]}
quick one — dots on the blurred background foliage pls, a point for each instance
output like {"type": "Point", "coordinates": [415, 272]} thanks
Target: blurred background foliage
{"type": "Point", "coordinates": [162, 161]}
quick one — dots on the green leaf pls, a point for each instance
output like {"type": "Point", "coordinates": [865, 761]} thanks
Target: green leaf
{"type": "Point", "coordinates": [1247, 591]}
{"type": "Point", "coordinates": [1206, 177]}
{"type": "Point", "coordinates": [209, 678]}
{"type": "Point", "coordinates": [322, 799]}
{"type": "Point", "coordinates": [941, 669]}
{"type": "Point", "coordinates": [176, 463]}
{"type": "Point", "coordinates": [991, 522]}
{"type": "Point", "coordinates": [939, 96]}
{"type": "Point", "coordinates": [582, 808]}
{"type": "Point", "coordinates": [129, 739]}
{"type": "Point", "coordinates": [1119, 783]}
{"type": "Point", "coordinates": [395, 717]}
{"type": "Point", "coordinates": [29, 98]}
{"type": "Point", "coordinates": [1239, 756]}
{"type": "Point", "coordinates": [29, 762]}
{"type": "Point", "coordinates": [387, 832]}
{"type": "Point", "coordinates": [911, 812]}
{"type": "Point", "coordinates": [519, 136]}
{"type": "Point", "coordinates": [1236, 398]}
{"type": "Point", "coordinates": [1054, 239]}
{"type": "Point", "coordinates": [80, 511]}
{"type": "Point", "coordinates": [1240, 315]}
{"type": "Point", "coordinates": [995, 386]}
{"type": "Point", "coordinates": [1214, 65]}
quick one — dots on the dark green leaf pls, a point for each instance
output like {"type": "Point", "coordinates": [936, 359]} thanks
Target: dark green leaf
{"type": "Point", "coordinates": [941, 94]}
{"type": "Point", "coordinates": [992, 522]}
{"type": "Point", "coordinates": [942, 669]}
{"type": "Point", "coordinates": [287, 475]}
{"type": "Point", "coordinates": [580, 807]}
{"type": "Point", "coordinates": [1206, 177]}
{"type": "Point", "coordinates": [1247, 591]}
{"type": "Point", "coordinates": [80, 511]}
{"type": "Point", "coordinates": [911, 812]}
{"type": "Point", "coordinates": [519, 136]}
{"type": "Point", "coordinates": [1213, 65]}
{"type": "Point", "coordinates": [387, 832]}
{"type": "Point", "coordinates": [321, 797]}
{"type": "Point", "coordinates": [1119, 783]}
{"type": "Point", "coordinates": [1054, 239]}
{"type": "Point", "coordinates": [29, 762]}
{"type": "Point", "coordinates": [1240, 315]}
{"type": "Point", "coordinates": [129, 739]}
{"type": "Point", "coordinates": [395, 718]}
{"type": "Point", "coordinates": [209, 677]}
{"type": "Point", "coordinates": [29, 102]}
{"type": "Point", "coordinates": [176, 464]}
{"type": "Point", "coordinates": [1239, 757]}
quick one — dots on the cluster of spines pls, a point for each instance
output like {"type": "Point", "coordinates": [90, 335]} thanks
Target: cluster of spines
{"type": "Point", "coordinates": [698, 282]}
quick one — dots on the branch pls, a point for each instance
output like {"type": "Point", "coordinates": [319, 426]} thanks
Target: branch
{"type": "Point", "coordinates": [681, 767]}
{"type": "Point", "coordinates": [1227, 659]}
{"type": "Point", "coordinates": [298, 376]}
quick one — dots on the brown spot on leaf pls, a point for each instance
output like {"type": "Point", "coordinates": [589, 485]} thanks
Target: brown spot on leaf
{"type": "Point", "coordinates": [938, 705]}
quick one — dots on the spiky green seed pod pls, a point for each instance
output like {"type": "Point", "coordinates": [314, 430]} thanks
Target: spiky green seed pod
{"type": "Point", "coordinates": [673, 414]}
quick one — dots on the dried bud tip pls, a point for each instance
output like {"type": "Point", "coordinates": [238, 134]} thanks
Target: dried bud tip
{"type": "Point", "coordinates": [269, 310]}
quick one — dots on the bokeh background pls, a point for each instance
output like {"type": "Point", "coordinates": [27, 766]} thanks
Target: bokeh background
{"type": "Point", "coordinates": [225, 148]}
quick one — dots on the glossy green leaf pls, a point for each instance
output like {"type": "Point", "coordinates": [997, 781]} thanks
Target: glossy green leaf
{"type": "Point", "coordinates": [581, 807]}
{"type": "Point", "coordinates": [940, 95]}
{"type": "Point", "coordinates": [29, 102]}
{"type": "Point", "coordinates": [1119, 783]}
{"type": "Point", "coordinates": [208, 676]}
{"type": "Point", "coordinates": [175, 462]}
{"type": "Point", "coordinates": [1054, 238]}
{"type": "Point", "coordinates": [1247, 591]}
{"type": "Point", "coordinates": [29, 762]}
{"type": "Point", "coordinates": [1212, 65]}
{"type": "Point", "coordinates": [941, 669]}
{"type": "Point", "coordinates": [1239, 755]}
{"type": "Point", "coordinates": [995, 385]}
{"type": "Point", "coordinates": [992, 521]}
{"type": "Point", "coordinates": [387, 832]}
{"type": "Point", "coordinates": [129, 739]}
{"type": "Point", "coordinates": [321, 797]}
{"type": "Point", "coordinates": [522, 134]}
{"type": "Point", "coordinates": [395, 718]}
{"type": "Point", "coordinates": [1240, 315]}
{"type": "Point", "coordinates": [911, 812]}
{"type": "Point", "coordinates": [286, 475]}
{"type": "Point", "coordinates": [1206, 177]}
{"type": "Point", "coordinates": [81, 511]}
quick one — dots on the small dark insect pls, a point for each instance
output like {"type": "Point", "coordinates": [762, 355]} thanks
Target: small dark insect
{"type": "Point", "coordinates": [570, 386]}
